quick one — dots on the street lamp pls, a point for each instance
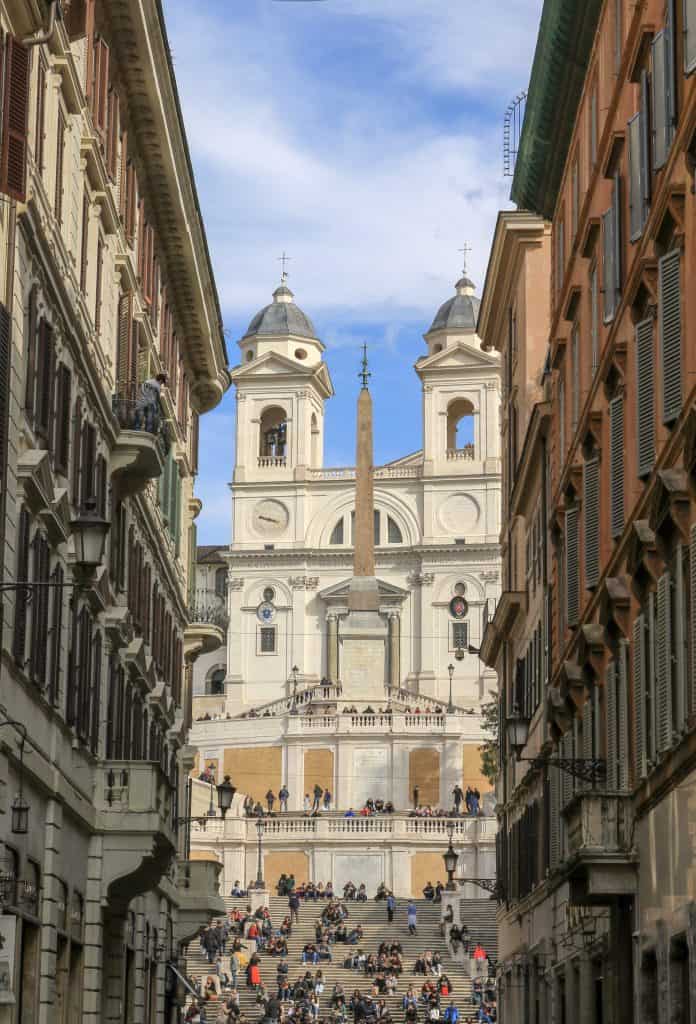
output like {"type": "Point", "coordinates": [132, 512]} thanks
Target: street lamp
{"type": "Point", "coordinates": [89, 532]}
{"type": "Point", "coordinates": [293, 705]}
{"type": "Point", "coordinates": [260, 829]}
{"type": "Point", "coordinates": [517, 727]}
{"type": "Point", "coordinates": [588, 769]}
{"type": "Point", "coordinates": [20, 808]}
{"type": "Point", "coordinates": [450, 858]}
{"type": "Point", "coordinates": [450, 706]}
{"type": "Point", "coordinates": [225, 794]}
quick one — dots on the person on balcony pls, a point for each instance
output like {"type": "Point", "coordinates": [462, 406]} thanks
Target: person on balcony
{"type": "Point", "coordinates": [147, 404]}
{"type": "Point", "coordinates": [327, 800]}
{"type": "Point", "coordinates": [458, 794]}
{"type": "Point", "coordinates": [270, 800]}
{"type": "Point", "coordinates": [416, 797]}
{"type": "Point", "coordinates": [318, 793]}
{"type": "Point", "coordinates": [283, 794]}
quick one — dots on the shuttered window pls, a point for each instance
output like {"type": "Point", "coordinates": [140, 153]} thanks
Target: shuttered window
{"type": "Point", "coordinates": [30, 326]}
{"type": "Point", "coordinates": [554, 819]}
{"type": "Point", "coordinates": [679, 639]}
{"type": "Point", "coordinates": [56, 636]}
{"type": "Point", "coordinates": [616, 465]}
{"type": "Point", "coordinates": [590, 505]}
{"type": "Point", "coordinates": [76, 469]}
{"type": "Point", "coordinates": [95, 699]}
{"type": "Point", "coordinates": [663, 652]}
{"type": "Point", "coordinates": [594, 317]}
{"type": "Point", "coordinates": [40, 128]}
{"type": "Point", "coordinates": [622, 715]}
{"type": "Point", "coordinates": [39, 611]}
{"type": "Point", "coordinates": [98, 286]}
{"type": "Point", "coordinates": [19, 638]}
{"type": "Point", "coordinates": [100, 100]}
{"type": "Point", "coordinates": [45, 376]}
{"type": "Point", "coordinates": [663, 95]}
{"type": "Point", "coordinates": [594, 126]}
{"type": "Point", "coordinates": [611, 251]}
{"type": "Point", "coordinates": [61, 447]}
{"type": "Point", "coordinates": [60, 162]}
{"type": "Point", "coordinates": [640, 698]}
{"type": "Point", "coordinates": [127, 354]}
{"type": "Point", "coordinates": [645, 397]}
{"type": "Point", "coordinates": [560, 256]}
{"type": "Point", "coordinates": [689, 36]}
{"type": "Point", "coordinates": [15, 115]}
{"type": "Point", "coordinates": [575, 372]}
{"type": "Point", "coordinates": [561, 415]}
{"type": "Point", "coordinates": [670, 335]}
{"type": "Point", "coordinates": [100, 485]}
{"type": "Point", "coordinates": [635, 189]}
{"type": "Point", "coordinates": [572, 582]}
{"type": "Point", "coordinates": [112, 134]}
{"type": "Point", "coordinates": [88, 458]}
{"type": "Point", "coordinates": [84, 243]}
{"type": "Point", "coordinates": [575, 194]}
{"type": "Point", "coordinates": [612, 747]}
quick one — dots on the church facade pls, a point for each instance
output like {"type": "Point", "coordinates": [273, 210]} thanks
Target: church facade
{"type": "Point", "coordinates": [287, 712]}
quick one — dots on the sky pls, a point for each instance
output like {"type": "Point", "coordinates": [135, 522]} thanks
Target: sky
{"type": "Point", "coordinates": [364, 139]}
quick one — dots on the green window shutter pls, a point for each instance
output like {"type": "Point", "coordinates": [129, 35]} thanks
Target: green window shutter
{"type": "Point", "coordinates": [680, 652]}
{"type": "Point", "coordinates": [659, 99]}
{"type": "Point", "coordinates": [639, 697]}
{"type": "Point", "coordinates": [616, 465]}
{"type": "Point", "coordinates": [689, 35]}
{"type": "Point", "coordinates": [608, 265]}
{"type": "Point", "coordinates": [611, 721]}
{"type": "Point", "coordinates": [635, 186]}
{"type": "Point", "coordinates": [590, 507]}
{"type": "Point", "coordinates": [663, 651]}
{"type": "Point", "coordinates": [670, 332]}
{"type": "Point", "coordinates": [572, 583]}
{"type": "Point", "coordinates": [645, 397]}
{"type": "Point", "coordinates": [692, 616]}
{"type": "Point", "coordinates": [622, 715]}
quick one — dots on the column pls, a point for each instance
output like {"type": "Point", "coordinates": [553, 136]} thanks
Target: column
{"type": "Point", "coordinates": [394, 649]}
{"type": "Point", "coordinates": [332, 647]}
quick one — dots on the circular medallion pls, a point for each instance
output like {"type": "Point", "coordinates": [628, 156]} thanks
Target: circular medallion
{"type": "Point", "coordinates": [269, 517]}
{"type": "Point", "coordinates": [459, 514]}
{"type": "Point", "coordinates": [458, 607]}
{"type": "Point", "coordinates": [265, 612]}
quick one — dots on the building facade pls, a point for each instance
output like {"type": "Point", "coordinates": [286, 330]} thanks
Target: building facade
{"type": "Point", "coordinates": [106, 282]}
{"type": "Point", "coordinates": [597, 920]}
{"type": "Point", "coordinates": [290, 563]}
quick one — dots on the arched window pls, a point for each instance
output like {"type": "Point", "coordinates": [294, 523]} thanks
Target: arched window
{"type": "Point", "coordinates": [337, 533]}
{"type": "Point", "coordinates": [393, 532]}
{"type": "Point", "coordinates": [221, 582]}
{"type": "Point", "coordinates": [273, 433]}
{"type": "Point", "coordinates": [460, 427]}
{"type": "Point", "coordinates": [215, 684]}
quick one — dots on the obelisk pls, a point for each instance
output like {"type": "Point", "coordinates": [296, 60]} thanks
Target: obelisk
{"type": "Point", "coordinates": [363, 589]}
{"type": "Point", "coordinates": [363, 631]}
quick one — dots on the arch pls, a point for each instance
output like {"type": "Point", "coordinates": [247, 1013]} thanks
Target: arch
{"type": "Point", "coordinates": [475, 592]}
{"type": "Point", "coordinates": [215, 681]}
{"type": "Point", "coordinates": [460, 425]}
{"type": "Point", "coordinates": [273, 432]}
{"type": "Point", "coordinates": [253, 595]}
{"type": "Point", "coordinates": [323, 525]}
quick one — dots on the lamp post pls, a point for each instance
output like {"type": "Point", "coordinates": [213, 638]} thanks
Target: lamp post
{"type": "Point", "coordinates": [20, 808]}
{"type": "Point", "coordinates": [589, 769]}
{"type": "Point", "coordinates": [260, 829]}
{"type": "Point", "coordinates": [450, 858]}
{"type": "Point", "coordinates": [293, 704]}
{"type": "Point", "coordinates": [450, 706]}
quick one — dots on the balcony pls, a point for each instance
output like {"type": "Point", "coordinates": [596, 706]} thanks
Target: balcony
{"type": "Point", "coordinates": [271, 462]}
{"type": "Point", "coordinates": [198, 889]}
{"type": "Point", "coordinates": [466, 454]}
{"type": "Point", "coordinates": [141, 445]}
{"type": "Point", "coordinates": [135, 812]}
{"type": "Point", "coordinates": [206, 629]}
{"type": "Point", "coordinates": [601, 864]}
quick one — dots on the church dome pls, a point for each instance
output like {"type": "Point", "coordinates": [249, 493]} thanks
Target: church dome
{"type": "Point", "coordinates": [282, 316]}
{"type": "Point", "coordinates": [460, 313]}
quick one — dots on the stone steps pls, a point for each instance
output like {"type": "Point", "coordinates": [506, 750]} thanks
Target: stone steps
{"type": "Point", "coordinates": [372, 916]}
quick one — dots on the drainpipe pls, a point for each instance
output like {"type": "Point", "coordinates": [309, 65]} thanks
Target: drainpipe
{"type": "Point", "coordinates": [43, 35]}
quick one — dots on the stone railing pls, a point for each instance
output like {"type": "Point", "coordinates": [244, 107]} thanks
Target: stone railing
{"type": "Point", "coordinates": [397, 723]}
{"type": "Point", "coordinates": [135, 797]}
{"type": "Point", "coordinates": [336, 828]}
{"type": "Point", "coordinates": [271, 462]}
{"type": "Point", "coordinates": [468, 452]}
{"type": "Point", "coordinates": [380, 473]}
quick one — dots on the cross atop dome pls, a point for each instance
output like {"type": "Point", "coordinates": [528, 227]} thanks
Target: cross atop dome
{"type": "Point", "coordinates": [465, 251]}
{"type": "Point", "coordinates": [283, 260]}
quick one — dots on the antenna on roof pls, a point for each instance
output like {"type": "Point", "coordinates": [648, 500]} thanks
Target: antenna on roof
{"type": "Point", "coordinates": [512, 131]}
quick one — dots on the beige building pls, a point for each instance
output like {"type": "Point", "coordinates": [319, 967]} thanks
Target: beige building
{"type": "Point", "coordinates": [105, 281]}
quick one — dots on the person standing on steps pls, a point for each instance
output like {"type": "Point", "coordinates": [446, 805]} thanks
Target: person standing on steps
{"type": "Point", "coordinates": [416, 796]}
{"type": "Point", "coordinates": [294, 905]}
{"type": "Point", "coordinates": [412, 917]}
{"type": "Point", "coordinates": [391, 906]}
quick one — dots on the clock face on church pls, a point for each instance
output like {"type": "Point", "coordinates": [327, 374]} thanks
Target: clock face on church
{"type": "Point", "coordinates": [269, 517]}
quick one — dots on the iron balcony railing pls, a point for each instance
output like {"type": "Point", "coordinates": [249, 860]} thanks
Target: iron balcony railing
{"type": "Point", "coordinates": [134, 412]}
{"type": "Point", "coordinates": [208, 614]}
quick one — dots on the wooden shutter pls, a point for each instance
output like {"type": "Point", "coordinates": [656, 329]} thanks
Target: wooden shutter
{"type": "Point", "coordinates": [617, 235]}
{"type": "Point", "coordinates": [679, 655]}
{"type": "Point", "coordinates": [56, 636]}
{"type": "Point", "coordinates": [575, 371]}
{"type": "Point", "coordinates": [84, 242]}
{"type": "Point", "coordinates": [22, 599]}
{"type": "Point", "coordinates": [572, 582]}
{"type": "Point", "coordinates": [635, 186]}
{"type": "Point", "coordinates": [659, 99]}
{"type": "Point", "coordinates": [622, 715]}
{"type": "Point", "coordinates": [131, 201]}
{"type": "Point", "coordinates": [194, 443]}
{"type": "Point", "coordinates": [645, 165]}
{"type": "Point", "coordinates": [30, 345]}
{"type": "Point", "coordinates": [587, 751]}
{"type": "Point", "coordinates": [100, 484]}
{"type": "Point", "coordinates": [39, 127]}
{"type": "Point", "coordinates": [62, 430]}
{"type": "Point", "coordinates": [692, 619]}
{"type": "Point", "coordinates": [98, 286]}
{"type": "Point", "coordinates": [670, 70]}
{"type": "Point", "coordinates": [101, 85]}
{"type": "Point", "coordinates": [645, 397]}
{"type": "Point", "coordinates": [44, 379]}
{"type": "Point", "coordinates": [60, 161]}
{"type": "Point", "coordinates": [112, 134]}
{"type": "Point", "coordinates": [76, 470]}
{"type": "Point", "coordinates": [639, 698]}
{"type": "Point", "coordinates": [13, 153]}
{"type": "Point", "coordinates": [594, 317]}
{"type": "Point", "coordinates": [670, 332]}
{"type": "Point", "coordinates": [616, 465]}
{"type": "Point", "coordinates": [689, 35]}
{"type": "Point", "coordinates": [121, 560]}
{"type": "Point", "coordinates": [608, 264]}
{"type": "Point", "coordinates": [95, 701]}
{"type": "Point", "coordinates": [611, 713]}
{"type": "Point", "coordinates": [590, 506]}
{"type": "Point", "coordinates": [127, 354]}
{"type": "Point", "coordinates": [39, 613]}
{"type": "Point", "coordinates": [89, 452]}
{"type": "Point", "coordinates": [561, 414]}
{"type": "Point", "coordinates": [663, 652]}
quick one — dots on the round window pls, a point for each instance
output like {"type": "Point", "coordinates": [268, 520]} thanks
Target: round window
{"type": "Point", "coordinates": [300, 353]}
{"type": "Point", "coordinates": [268, 594]}
{"type": "Point", "coordinates": [460, 589]}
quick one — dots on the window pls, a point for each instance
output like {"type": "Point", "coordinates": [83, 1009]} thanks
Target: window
{"type": "Point", "coordinates": [460, 427]}
{"type": "Point", "coordinates": [39, 611]}
{"type": "Point", "coordinates": [560, 255]}
{"type": "Point", "coordinates": [663, 95]}
{"type": "Point", "coordinates": [616, 465]}
{"type": "Point", "coordinates": [590, 505]}
{"type": "Point", "coordinates": [561, 414]}
{"type": "Point", "coordinates": [594, 317]}
{"type": "Point", "coordinates": [571, 566]}
{"type": "Point", "coordinates": [61, 448]}
{"type": "Point", "coordinates": [215, 684]}
{"type": "Point", "coordinates": [337, 533]}
{"type": "Point", "coordinates": [45, 372]}
{"type": "Point", "coordinates": [40, 128]}
{"type": "Point", "coordinates": [267, 640]}
{"type": "Point", "coordinates": [645, 397]}
{"type": "Point", "coordinates": [575, 194]}
{"type": "Point", "coordinates": [22, 598]}
{"type": "Point", "coordinates": [618, 34]}
{"type": "Point", "coordinates": [221, 582]}
{"type": "Point", "coordinates": [664, 662]}
{"type": "Point", "coordinates": [594, 126]}
{"type": "Point", "coordinates": [459, 635]}
{"type": "Point", "coordinates": [617, 720]}
{"type": "Point", "coordinates": [611, 251]}
{"type": "Point", "coordinates": [393, 532]}
{"type": "Point", "coordinates": [60, 160]}
{"type": "Point", "coordinates": [669, 323]}
{"type": "Point", "coordinates": [689, 36]}
{"type": "Point", "coordinates": [575, 372]}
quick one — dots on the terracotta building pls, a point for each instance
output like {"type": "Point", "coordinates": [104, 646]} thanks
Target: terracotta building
{"type": "Point", "coordinates": [595, 858]}
{"type": "Point", "coordinates": [105, 284]}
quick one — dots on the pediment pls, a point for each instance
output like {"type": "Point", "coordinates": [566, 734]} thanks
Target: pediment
{"type": "Point", "coordinates": [457, 357]}
{"type": "Point", "coordinates": [338, 593]}
{"type": "Point", "coordinates": [275, 364]}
